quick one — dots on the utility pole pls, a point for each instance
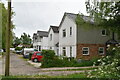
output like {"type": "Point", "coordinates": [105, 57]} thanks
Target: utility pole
{"type": "Point", "coordinates": [8, 32]}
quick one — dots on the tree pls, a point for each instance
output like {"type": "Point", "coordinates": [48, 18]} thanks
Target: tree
{"type": "Point", "coordinates": [3, 24]}
{"type": "Point", "coordinates": [16, 42]}
{"type": "Point", "coordinates": [105, 14]}
{"type": "Point", "coordinates": [25, 39]}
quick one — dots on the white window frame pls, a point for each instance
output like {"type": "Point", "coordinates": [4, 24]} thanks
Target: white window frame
{"type": "Point", "coordinates": [103, 50]}
{"type": "Point", "coordinates": [88, 50]}
{"type": "Point", "coordinates": [63, 51]}
{"type": "Point", "coordinates": [105, 32]}
{"type": "Point", "coordinates": [63, 31]}
{"type": "Point", "coordinates": [70, 31]}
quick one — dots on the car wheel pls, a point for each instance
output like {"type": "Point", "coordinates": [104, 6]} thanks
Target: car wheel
{"type": "Point", "coordinates": [35, 60]}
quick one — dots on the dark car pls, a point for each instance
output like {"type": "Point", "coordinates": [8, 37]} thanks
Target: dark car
{"type": "Point", "coordinates": [37, 56]}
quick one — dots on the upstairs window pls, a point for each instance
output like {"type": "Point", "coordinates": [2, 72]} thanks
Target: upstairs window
{"type": "Point", "coordinates": [70, 31]}
{"type": "Point", "coordinates": [50, 37]}
{"type": "Point", "coordinates": [103, 32]}
{"type": "Point", "coordinates": [64, 32]}
{"type": "Point", "coordinates": [85, 50]}
{"type": "Point", "coordinates": [101, 50]}
{"type": "Point", "coordinates": [64, 51]}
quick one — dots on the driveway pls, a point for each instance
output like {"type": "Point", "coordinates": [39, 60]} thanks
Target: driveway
{"type": "Point", "coordinates": [19, 66]}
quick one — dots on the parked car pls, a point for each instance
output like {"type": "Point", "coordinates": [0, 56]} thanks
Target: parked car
{"type": "Point", "coordinates": [37, 56]}
{"type": "Point", "coordinates": [18, 51]}
{"type": "Point", "coordinates": [27, 51]}
{"type": "Point", "coordinates": [1, 50]}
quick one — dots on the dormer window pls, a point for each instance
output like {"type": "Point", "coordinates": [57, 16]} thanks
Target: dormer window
{"type": "Point", "coordinates": [103, 32]}
{"type": "Point", "coordinates": [64, 32]}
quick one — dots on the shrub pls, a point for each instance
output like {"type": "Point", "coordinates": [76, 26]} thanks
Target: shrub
{"type": "Point", "coordinates": [30, 55]}
{"type": "Point", "coordinates": [109, 66]}
{"type": "Point", "coordinates": [18, 48]}
{"type": "Point", "coordinates": [50, 60]}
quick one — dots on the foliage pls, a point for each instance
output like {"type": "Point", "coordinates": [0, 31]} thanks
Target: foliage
{"type": "Point", "coordinates": [109, 66]}
{"type": "Point", "coordinates": [25, 39]}
{"type": "Point", "coordinates": [18, 48]}
{"type": "Point", "coordinates": [30, 55]}
{"type": "Point", "coordinates": [17, 41]}
{"type": "Point", "coordinates": [105, 14]}
{"type": "Point", "coordinates": [3, 25]}
{"type": "Point", "coordinates": [50, 60]}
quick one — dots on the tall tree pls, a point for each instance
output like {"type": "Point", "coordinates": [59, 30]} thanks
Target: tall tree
{"type": "Point", "coordinates": [16, 41]}
{"type": "Point", "coordinates": [3, 24]}
{"type": "Point", "coordinates": [25, 39]}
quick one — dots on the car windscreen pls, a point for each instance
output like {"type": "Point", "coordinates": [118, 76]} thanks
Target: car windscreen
{"type": "Point", "coordinates": [39, 54]}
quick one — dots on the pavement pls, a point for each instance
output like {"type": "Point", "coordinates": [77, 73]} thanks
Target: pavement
{"type": "Point", "coordinates": [19, 66]}
{"type": "Point", "coordinates": [37, 65]}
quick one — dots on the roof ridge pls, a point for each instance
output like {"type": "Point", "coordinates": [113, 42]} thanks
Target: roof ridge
{"type": "Point", "coordinates": [41, 31]}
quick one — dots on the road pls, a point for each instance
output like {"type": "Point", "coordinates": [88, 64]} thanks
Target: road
{"type": "Point", "coordinates": [19, 66]}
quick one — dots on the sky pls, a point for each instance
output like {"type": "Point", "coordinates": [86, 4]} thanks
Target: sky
{"type": "Point", "coordinates": [33, 15]}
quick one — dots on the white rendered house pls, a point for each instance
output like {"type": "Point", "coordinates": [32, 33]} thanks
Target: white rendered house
{"type": "Point", "coordinates": [40, 40]}
{"type": "Point", "coordinates": [53, 39]}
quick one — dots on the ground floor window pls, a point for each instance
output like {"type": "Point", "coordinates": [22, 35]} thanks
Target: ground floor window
{"type": "Point", "coordinates": [101, 50]}
{"type": "Point", "coordinates": [64, 51]}
{"type": "Point", "coordinates": [58, 52]}
{"type": "Point", "coordinates": [50, 47]}
{"type": "Point", "coordinates": [39, 48]}
{"type": "Point", "coordinates": [85, 50]}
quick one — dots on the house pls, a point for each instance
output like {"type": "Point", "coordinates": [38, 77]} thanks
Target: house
{"type": "Point", "coordinates": [40, 40]}
{"type": "Point", "coordinates": [79, 42]}
{"type": "Point", "coordinates": [53, 39]}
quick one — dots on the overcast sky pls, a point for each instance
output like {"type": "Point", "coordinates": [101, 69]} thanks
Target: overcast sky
{"type": "Point", "coordinates": [31, 16]}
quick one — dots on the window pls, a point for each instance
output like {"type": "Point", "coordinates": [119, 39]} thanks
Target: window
{"type": "Point", "coordinates": [85, 50]}
{"type": "Point", "coordinates": [64, 33]}
{"type": "Point", "coordinates": [58, 52]}
{"type": "Point", "coordinates": [39, 48]}
{"type": "Point", "coordinates": [50, 47]}
{"type": "Point", "coordinates": [64, 51]}
{"type": "Point", "coordinates": [70, 31]}
{"type": "Point", "coordinates": [101, 50]}
{"type": "Point", "coordinates": [70, 51]}
{"type": "Point", "coordinates": [103, 32]}
{"type": "Point", "coordinates": [50, 36]}
{"type": "Point", "coordinates": [39, 54]}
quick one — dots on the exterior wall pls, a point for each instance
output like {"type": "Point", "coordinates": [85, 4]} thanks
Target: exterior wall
{"type": "Point", "coordinates": [41, 43]}
{"type": "Point", "coordinates": [93, 51]}
{"type": "Point", "coordinates": [68, 40]}
{"type": "Point", "coordinates": [44, 44]}
{"type": "Point", "coordinates": [91, 36]}
{"type": "Point", "coordinates": [54, 41]}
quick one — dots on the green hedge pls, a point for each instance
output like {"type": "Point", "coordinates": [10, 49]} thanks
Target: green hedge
{"type": "Point", "coordinates": [18, 48]}
{"type": "Point", "coordinates": [50, 60]}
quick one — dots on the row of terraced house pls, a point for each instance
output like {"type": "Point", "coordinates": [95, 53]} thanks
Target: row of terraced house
{"type": "Point", "coordinates": [70, 40]}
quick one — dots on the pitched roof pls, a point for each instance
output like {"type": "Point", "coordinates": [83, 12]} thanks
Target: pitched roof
{"type": "Point", "coordinates": [42, 33]}
{"type": "Point", "coordinates": [73, 17]}
{"type": "Point", "coordinates": [55, 29]}
{"type": "Point", "coordinates": [34, 35]}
